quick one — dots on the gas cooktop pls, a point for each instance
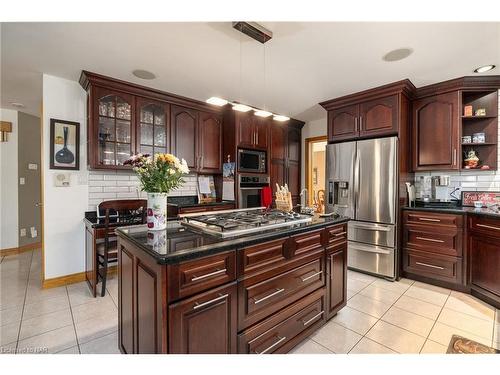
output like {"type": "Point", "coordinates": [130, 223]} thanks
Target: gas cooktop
{"type": "Point", "coordinates": [232, 223]}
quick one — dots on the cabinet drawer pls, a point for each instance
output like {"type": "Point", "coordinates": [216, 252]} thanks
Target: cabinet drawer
{"type": "Point", "coordinates": [446, 241]}
{"type": "Point", "coordinates": [434, 220]}
{"type": "Point", "coordinates": [188, 278]}
{"type": "Point", "coordinates": [260, 296]}
{"type": "Point", "coordinates": [440, 267]}
{"type": "Point", "coordinates": [279, 255]}
{"type": "Point", "coordinates": [336, 235]}
{"type": "Point", "coordinates": [276, 334]}
{"type": "Point", "coordinates": [485, 225]}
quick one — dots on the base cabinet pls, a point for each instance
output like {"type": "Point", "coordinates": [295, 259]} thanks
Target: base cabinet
{"type": "Point", "coordinates": [484, 258]}
{"type": "Point", "coordinates": [265, 298]}
{"type": "Point", "coordinates": [337, 281]}
{"type": "Point", "coordinates": [204, 324]}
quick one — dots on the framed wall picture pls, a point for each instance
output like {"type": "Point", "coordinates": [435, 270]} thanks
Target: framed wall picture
{"type": "Point", "coordinates": [64, 144]}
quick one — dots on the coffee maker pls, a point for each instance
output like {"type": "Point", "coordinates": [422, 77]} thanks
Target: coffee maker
{"type": "Point", "coordinates": [435, 192]}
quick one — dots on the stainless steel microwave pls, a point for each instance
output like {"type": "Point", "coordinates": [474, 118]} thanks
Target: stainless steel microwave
{"type": "Point", "coordinates": [252, 161]}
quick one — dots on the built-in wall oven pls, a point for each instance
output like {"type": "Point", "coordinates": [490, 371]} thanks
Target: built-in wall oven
{"type": "Point", "coordinates": [250, 188]}
{"type": "Point", "coordinates": [251, 161]}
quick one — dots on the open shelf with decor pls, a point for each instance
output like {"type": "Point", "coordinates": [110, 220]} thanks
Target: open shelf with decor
{"type": "Point", "coordinates": [479, 130]}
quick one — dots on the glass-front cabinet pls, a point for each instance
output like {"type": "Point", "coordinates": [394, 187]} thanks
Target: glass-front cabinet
{"type": "Point", "coordinates": [115, 129]}
{"type": "Point", "coordinates": [152, 134]}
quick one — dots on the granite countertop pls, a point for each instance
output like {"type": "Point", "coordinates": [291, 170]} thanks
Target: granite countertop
{"type": "Point", "coordinates": [460, 210]}
{"type": "Point", "coordinates": [192, 201]}
{"type": "Point", "coordinates": [179, 243]}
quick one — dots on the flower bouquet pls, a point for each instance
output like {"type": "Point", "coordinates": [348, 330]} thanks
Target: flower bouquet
{"type": "Point", "coordinates": [158, 175]}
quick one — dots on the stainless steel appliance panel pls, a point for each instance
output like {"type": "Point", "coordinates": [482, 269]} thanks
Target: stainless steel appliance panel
{"type": "Point", "coordinates": [372, 233]}
{"type": "Point", "coordinates": [340, 178]}
{"type": "Point", "coordinates": [369, 258]}
{"type": "Point", "coordinates": [376, 182]}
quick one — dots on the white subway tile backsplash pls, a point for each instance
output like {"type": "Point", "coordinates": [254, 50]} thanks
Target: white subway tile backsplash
{"type": "Point", "coordinates": [116, 189]}
{"type": "Point", "coordinates": [105, 185]}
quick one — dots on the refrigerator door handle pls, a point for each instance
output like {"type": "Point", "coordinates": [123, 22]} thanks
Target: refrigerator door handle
{"type": "Point", "coordinates": [356, 183]}
{"type": "Point", "coordinates": [371, 249]}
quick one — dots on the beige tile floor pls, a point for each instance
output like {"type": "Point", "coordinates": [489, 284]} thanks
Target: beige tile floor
{"type": "Point", "coordinates": [65, 320]}
{"type": "Point", "coordinates": [380, 316]}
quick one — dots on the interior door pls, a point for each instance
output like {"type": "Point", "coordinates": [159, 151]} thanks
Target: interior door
{"type": "Point", "coordinates": [376, 183]}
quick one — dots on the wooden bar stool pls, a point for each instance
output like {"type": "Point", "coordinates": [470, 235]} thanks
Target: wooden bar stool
{"type": "Point", "coordinates": [117, 213]}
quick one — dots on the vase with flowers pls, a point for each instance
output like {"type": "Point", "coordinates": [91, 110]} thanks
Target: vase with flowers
{"type": "Point", "coordinates": [158, 175]}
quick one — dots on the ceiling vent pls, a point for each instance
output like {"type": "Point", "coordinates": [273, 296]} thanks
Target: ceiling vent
{"type": "Point", "coordinates": [254, 31]}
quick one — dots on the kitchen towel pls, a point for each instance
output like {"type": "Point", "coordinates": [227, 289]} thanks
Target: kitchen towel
{"type": "Point", "coordinates": [266, 196]}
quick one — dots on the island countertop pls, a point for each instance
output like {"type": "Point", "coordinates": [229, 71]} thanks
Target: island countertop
{"type": "Point", "coordinates": [460, 210]}
{"type": "Point", "coordinates": [179, 243]}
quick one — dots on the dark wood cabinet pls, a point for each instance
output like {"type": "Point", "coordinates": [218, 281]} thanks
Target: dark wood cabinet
{"type": "Point", "coordinates": [253, 131]}
{"type": "Point", "coordinates": [379, 116]}
{"type": "Point", "coordinates": [153, 131]}
{"type": "Point", "coordinates": [343, 123]}
{"type": "Point", "coordinates": [196, 137]}
{"type": "Point", "coordinates": [436, 132]}
{"type": "Point", "coordinates": [285, 158]}
{"type": "Point", "coordinates": [184, 135]}
{"type": "Point", "coordinates": [484, 258]}
{"type": "Point", "coordinates": [433, 249]}
{"type": "Point", "coordinates": [377, 112]}
{"type": "Point", "coordinates": [336, 263]}
{"type": "Point", "coordinates": [210, 143]}
{"type": "Point", "coordinates": [111, 129]}
{"type": "Point", "coordinates": [125, 119]}
{"type": "Point", "coordinates": [240, 300]}
{"type": "Point", "coordinates": [205, 323]}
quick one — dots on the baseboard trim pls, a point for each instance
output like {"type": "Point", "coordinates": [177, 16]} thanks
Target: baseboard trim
{"type": "Point", "coordinates": [70, 279]}
{"type": "Point", "coordinates": [20, 249]}
{"type": "Point", "coordinates": [63, 280]}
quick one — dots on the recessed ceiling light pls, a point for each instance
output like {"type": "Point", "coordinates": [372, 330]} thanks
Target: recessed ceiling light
{"type": "Point", "coordinates": [262, 113]}
{"type": "Point", "coordinates": [217, 101]}
{"type": "Point", "coordinates": [280, 118]}
{"type": "Point", "coordinates": [397, 54]}
{"type": "Point", "coordinates": [241, 107]}
{"type": "Point", "coordinates": [143, 74]}
{"type": "Point", "coordinates": [17, 104]}
{"type": "Point", "coordinates": [484, 68]}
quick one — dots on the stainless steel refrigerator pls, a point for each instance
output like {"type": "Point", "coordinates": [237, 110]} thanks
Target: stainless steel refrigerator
{"type": "Point", "coordinates": [362, 184]}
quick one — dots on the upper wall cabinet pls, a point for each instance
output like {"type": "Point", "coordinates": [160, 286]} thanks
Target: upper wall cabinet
{"type": "Point", "coordinates": [436, 132]}
{"type": "Point", "coordinates": [253, 131]}
{"type": "Point", "coordinates": [372, 113]}
{"type": "Point", "coordinates": [125, 119]}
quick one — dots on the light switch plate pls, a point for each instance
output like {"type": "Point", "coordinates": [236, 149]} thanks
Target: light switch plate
{"type": "Point", "coordinates": [23, 232]}
{"type": "Point", "coordinates": [33, 166]}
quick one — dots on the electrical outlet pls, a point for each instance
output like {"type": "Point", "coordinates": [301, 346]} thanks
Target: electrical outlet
{"type": "Point", "coordinates": [23, 232]}
{"type": "Point", "coordinates": [22, 181]}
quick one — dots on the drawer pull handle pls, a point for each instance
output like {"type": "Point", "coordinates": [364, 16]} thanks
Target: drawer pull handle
{"type": "Point", "coordinates": [487, 226]}
{"type": "Point", "coordinates": [200, 305]}
{"type": "Point", "coordinates": [281, 339]}
{"type": "Point", "coordinates": [313, 318]}
{"type": "Point", "coordinates": [429, 265]}
{"type": "Point", "coordinates": [429, 239]}
{"type": "Point", "coordinates": [340, 234]}
{"type": "Point", "coordinates": [429, 219]}
{"type": "Point", "coordinates": [304, 279]}
{"type": "Point", "coordinates": [278, 291]}
{"type": "Point", "coordinates": [196, 278]}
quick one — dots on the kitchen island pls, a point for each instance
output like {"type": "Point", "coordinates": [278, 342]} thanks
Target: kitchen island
{"type": "Point", "coordinates": [182, 291]}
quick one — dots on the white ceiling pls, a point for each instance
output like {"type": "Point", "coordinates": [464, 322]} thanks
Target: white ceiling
{"type": "Point", "coordinates": [306, 63]}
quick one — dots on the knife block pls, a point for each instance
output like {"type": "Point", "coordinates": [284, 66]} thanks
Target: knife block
{"type": "Point", "coordinates": [284, 202]}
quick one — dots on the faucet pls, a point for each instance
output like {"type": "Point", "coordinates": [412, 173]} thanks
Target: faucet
{"type": "Point", "coordinates": [305, 197]}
